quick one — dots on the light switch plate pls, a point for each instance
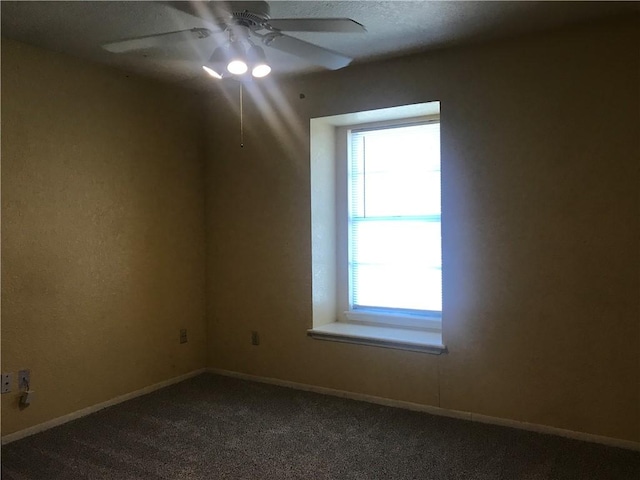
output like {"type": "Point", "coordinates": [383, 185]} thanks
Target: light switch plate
{"type": "Point", "coordinates": [24, 379]}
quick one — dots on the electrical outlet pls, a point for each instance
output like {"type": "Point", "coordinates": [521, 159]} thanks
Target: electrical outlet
{"type": "Point", "coordinates": [24, 379]}
{"type": "Point", "coordinates": [183, 335]}
{"type": "Point", "coordinates": [7, 380]}
{"type": "Point", "coordinates": [255, 338]}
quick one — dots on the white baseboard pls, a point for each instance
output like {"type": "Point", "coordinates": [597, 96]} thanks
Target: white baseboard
{"type": "Point", "coordinates": [474, 417]}
{"type": "Point", "coordinates": [41, 427]}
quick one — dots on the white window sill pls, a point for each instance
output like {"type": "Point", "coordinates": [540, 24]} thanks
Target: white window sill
{"type": "Point", "coordinates": [392, 319]}
{"type": "Point", "coordinates": [423, 340]}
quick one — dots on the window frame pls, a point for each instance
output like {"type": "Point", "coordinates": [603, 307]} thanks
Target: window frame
{"type": "Point", "coordinates": [402, 318]}
{"type": "Point", "coordinates": [323, 154]}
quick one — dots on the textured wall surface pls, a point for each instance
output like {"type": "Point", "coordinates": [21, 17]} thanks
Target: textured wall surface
{"type": "Point", "coordinates": [102, 233]}
{"type": "Point", "coordinates": [541, 230]}
{"type": "Point", "coordinates": [103, 241]}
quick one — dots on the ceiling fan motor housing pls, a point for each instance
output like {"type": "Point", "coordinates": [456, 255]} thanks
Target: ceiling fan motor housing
{"type": "Point", "coordinates": [252, 20]}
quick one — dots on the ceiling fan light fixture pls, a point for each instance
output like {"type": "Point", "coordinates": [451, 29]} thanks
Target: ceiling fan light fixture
{"type": "Point", "coordinates": [212, 72]}
{"type": "Point", "coordinates": [215, 65]}
{"type": "Point", "coordinates": [258, 61]}
{"type": "Point", "coordinates": [261, 70]}
{"type": "Point", "coordinates": [236, 58]}
{"type": "Point", "coordinates": [237, 67]}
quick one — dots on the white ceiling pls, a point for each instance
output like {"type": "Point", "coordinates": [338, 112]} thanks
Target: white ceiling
{"type": "Point", "coordinates": [394, 28]}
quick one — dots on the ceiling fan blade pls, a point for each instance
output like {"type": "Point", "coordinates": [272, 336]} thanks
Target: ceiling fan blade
{"type": "Point", "coordinates": [308, 51]}
{"type": "Point", "coordinates": [337, 25]}
{"type": "Point", "coordinates": [159, 40]}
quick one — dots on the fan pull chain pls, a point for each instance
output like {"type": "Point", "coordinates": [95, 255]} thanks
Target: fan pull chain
{"type": "Point", "coordinates": [241, 120]}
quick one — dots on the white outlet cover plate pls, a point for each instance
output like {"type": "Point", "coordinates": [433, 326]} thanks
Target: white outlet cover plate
{"type": "Point", "coordinates": [7, 379]}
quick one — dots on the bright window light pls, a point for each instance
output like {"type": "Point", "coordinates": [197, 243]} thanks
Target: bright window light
{"type": "Point", "coordinates": [394, 219]}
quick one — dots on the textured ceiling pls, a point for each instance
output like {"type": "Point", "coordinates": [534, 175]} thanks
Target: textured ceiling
{"type": "Point", "coordinates": [393, 28]}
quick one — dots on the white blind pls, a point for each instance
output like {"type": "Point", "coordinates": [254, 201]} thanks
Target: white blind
{"type": "Point", "coordinates": [394, 218]}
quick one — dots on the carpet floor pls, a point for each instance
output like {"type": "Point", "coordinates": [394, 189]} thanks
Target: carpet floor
{"type": "Point", "coordinates": [214, 427]}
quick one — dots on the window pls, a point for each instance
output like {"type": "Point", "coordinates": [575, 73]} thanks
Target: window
{"type": "Point", "coordinates": [393, 240]}
{"type": "Point", "coordinates": [375, 228]}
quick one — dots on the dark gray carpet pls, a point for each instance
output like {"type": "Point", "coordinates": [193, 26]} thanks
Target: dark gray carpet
{"type": "Point", "coordinates": [213, 427]}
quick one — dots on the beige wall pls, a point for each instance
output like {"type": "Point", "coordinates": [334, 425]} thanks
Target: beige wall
{"type": "Point", "coordinates": [102, 233]}
{"type": "Point", "coordinates": [103, 242]}
{"type": "Point", "coordinates": [541, 230]}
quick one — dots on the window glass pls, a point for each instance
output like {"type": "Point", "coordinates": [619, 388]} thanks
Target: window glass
{"type": "Point", "coordinates": [394, 218]}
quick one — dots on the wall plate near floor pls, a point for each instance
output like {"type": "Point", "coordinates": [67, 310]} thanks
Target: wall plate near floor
{"type": "Point", "coordinates": [183, 335]}
{"type": "Point", "coordinates": [7, 380]}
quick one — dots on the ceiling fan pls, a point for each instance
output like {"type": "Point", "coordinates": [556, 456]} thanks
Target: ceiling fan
{"type": "Point", "coordinates": [242, 22]}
